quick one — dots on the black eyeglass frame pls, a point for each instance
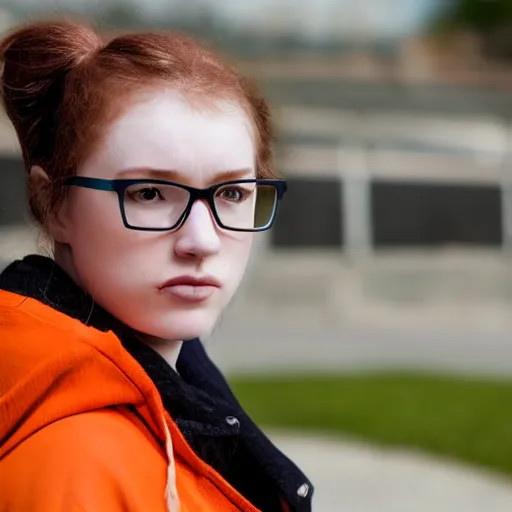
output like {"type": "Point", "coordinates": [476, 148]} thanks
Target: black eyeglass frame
{"type": "Point", "coordinates": [206, 194]}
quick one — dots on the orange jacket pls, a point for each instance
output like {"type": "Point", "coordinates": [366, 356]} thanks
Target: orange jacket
{"type": "Point", "coordinates": [83, 428]}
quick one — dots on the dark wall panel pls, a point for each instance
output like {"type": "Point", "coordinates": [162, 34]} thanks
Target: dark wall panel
{"type": "Point", "coordinates": [309, 215]}
{"type": "Point", "coordinates": [426, 214]}
{"type": "Point", "coordinates": [13, 199]}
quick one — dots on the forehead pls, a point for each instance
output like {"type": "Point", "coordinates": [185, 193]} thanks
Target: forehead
{"type": "Point", "coordinates": [162, 130]}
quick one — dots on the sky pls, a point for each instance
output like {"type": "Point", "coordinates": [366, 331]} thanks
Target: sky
{"type": "Point", "coordinates": [316, 17]}
{"type": "Point", "coordinates": [313, 18]}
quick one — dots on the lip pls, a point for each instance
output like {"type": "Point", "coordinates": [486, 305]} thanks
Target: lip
{"type": "Point", "coordinates": [190, 288]}
{"type": "Point", "coordinates": [192, 281]}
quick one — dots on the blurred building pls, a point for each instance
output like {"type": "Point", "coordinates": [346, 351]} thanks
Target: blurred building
{"type": "Point", "coordinates": [400, 148]}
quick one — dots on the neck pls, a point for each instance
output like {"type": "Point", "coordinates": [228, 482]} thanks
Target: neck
{"type": "Point", "coordinates": [168, 349]}
{"type": "Point", "coordinates": [62, 256]}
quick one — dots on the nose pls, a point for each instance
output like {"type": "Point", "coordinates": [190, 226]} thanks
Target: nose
{"type": "Point", "coordinates": [198, 236]}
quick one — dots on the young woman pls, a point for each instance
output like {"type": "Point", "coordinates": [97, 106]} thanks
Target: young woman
{"type": "Point", "coordinates": [149, 167]}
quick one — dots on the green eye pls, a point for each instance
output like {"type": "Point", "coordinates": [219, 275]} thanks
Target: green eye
{"type": "Point", "coordinates": [232, 194]}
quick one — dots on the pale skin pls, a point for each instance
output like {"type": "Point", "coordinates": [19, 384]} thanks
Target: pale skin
{"type": "Point", "coordinates": [160, 135]}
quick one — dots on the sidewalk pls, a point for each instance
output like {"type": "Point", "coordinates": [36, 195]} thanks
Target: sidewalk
{"type": "Point", "coordinates": [359, 478]}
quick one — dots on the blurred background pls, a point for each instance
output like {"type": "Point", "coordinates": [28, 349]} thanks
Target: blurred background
{"type": "Point", "coordinates": [376, 316]}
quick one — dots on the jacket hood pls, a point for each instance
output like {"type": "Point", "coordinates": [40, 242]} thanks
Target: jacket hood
{"type": "Point", "coordinates": [52, 366]}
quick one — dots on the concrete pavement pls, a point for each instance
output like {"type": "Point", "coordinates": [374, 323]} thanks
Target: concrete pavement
{"type": "Point", "coordinates": [240, 345]}
{"type": "Point", "coordinates": [354, 477]}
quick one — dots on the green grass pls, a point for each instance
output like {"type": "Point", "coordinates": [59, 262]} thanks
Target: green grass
{"type": "Point", "coordinates": [466, 419]}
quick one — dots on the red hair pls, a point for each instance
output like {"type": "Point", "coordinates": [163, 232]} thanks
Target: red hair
{"type": "Point", "coordinates": [63, 82]}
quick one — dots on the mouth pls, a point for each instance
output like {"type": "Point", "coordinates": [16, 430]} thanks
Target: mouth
{"type": "Point", "coordinates": [191, 288]}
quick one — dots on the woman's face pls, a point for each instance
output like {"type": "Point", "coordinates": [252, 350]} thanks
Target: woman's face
{"type": "Point", "coordinates": [162, 136]}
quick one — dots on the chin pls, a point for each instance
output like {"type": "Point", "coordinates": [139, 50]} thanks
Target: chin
{"type": "Point", "coordinates": [185, 325]}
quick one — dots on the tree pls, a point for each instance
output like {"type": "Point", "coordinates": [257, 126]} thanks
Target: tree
{"type": "Point", "coordinates": [482, 16]}
{"type": "Point", "coordinates": [490, 19]}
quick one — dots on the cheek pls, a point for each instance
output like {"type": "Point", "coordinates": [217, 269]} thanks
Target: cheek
{"type": "Point", "coordinates": [236, 255]}
{"type": "Point", "coordinates": [112, 261]}
{"type": "Point", "coordinates": [95, 218]}
{"type": "Point", "coordinates": [241, 243]}
{"type": "Point", "coordinates": [98, 239]}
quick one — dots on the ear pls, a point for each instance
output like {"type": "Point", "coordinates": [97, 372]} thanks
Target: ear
{"type": "Point", "coordinates": [38, 177]}
{"type": "Point", "coordinates": [55, 221]}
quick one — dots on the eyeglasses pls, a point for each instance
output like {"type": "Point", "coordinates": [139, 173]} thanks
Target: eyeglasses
{"type": "Point", "coordinates": [156, 205]}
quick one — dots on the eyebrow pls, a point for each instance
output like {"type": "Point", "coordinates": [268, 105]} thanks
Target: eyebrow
{"type": "Point", "coordinates": [174, 175]}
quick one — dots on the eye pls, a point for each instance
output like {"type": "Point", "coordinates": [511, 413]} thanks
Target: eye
{"type": "Point", "coordinates": [233, 194]}
{"type": "Point", "coordinates": [146, 194]}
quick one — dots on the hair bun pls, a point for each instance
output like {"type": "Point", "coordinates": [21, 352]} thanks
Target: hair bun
{"type": "Point", "coordinates": [35, 60]}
